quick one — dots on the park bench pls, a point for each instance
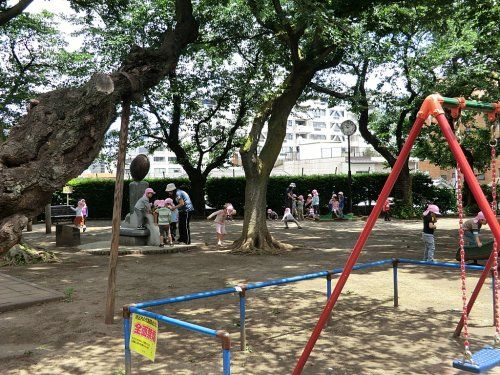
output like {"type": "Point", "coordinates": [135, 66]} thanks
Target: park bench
{"type": "Point", "coordinates": [62, 214]}
{"type": "Point", "coordinates": [66, 235]}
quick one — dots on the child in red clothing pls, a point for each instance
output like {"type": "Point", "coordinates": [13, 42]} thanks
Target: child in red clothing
{"type": "Point", "coordinates": [387, 210]}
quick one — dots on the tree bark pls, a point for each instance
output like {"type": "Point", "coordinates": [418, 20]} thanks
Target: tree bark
{"type": "Point", "coordinates": [198, 183]}
{"type": "Point", "coordinates": [63, 130]}
{"type": "Point", "coordinates": [255, 237]}
{"type": "Point", "coordinates": [402, 187]}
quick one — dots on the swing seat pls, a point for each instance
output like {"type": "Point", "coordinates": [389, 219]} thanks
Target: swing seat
{"type": "Point", "coordinates": [476, 253]}
{"type": "Point", "coordinates": [484, 359]}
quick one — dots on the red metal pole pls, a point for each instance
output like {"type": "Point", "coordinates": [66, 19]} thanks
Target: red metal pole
{"type": "Point", "coordinates": [384, 194]}
{"type": "Point", "coordinates": [481, 201]}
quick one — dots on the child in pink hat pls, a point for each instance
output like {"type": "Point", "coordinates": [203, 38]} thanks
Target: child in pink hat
{"type": "Point", "coordinates": [429, 219]}
{"type": "Point", "coordinates": [220, 221]}
{"type": "Point", "coordinates": [472, 227]}
{"type": "Point", "coordinates": [143, 207]}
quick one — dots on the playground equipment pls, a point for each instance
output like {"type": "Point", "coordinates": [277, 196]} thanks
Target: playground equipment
{"type": "Point", "coordinates": [242, 291]}
{"type": "Point", "coordinates": [476, 253]}
{"type": "Point", "coordinates": [432, 106]}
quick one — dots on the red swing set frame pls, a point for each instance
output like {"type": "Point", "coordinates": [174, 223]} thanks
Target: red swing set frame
{"type": "Point", "coordinates": [432, 106]}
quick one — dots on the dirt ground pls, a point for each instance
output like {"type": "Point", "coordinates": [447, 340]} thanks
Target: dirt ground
{"type": "Point", "coordinates": [366, 336]}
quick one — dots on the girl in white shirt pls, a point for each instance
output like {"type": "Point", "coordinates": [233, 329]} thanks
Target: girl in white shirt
{"type": "Point", "coordinates": [220, 221]}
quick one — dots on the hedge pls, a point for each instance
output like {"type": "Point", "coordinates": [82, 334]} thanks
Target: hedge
{"type": "Point", "coordinates": [99, 193]}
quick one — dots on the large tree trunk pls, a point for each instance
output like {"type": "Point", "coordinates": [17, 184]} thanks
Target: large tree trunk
{"type": "Point", "coordinates": [198, 183]}
{"type": "Point", "coordinates": [255, 237]}
{"type": "Point", "coordinates": [403, 188]}
{"type": "Point", "coordinates": [63, 130]}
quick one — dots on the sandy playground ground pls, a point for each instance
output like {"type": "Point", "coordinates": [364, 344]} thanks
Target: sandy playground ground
{"type": "Point", "coordinates": [366, 336]}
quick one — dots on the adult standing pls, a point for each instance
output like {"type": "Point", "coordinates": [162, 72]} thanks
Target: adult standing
{"type": "Point", "coordinates": [289, 196]}
{"type": "Point", "coordinates": [185, 207]}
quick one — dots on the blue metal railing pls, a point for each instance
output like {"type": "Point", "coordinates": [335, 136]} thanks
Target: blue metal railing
{"type": "Point", "coordinates": [241, 290]}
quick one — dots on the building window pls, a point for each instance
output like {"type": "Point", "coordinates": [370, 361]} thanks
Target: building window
{"type": "Point", "coordinates": [317, 112]}
{"type": "Point", "coordinates": [159, 172]}
{"type": "Point", "coordinates": [481, 177]}
{"type": "Point", "coordinates": [304, 136]}
{"type": "Point", "coordinates": [289, 123]}
{"type": "Point", "coordinates": [172, 159]}
{"type": "Point", "coordinates": [335, 126]}
{"type": "Point", "coordinates": [336, 138]}
{"type": "Point", "coordinates": [174, 170]}
{"type": "Point", "coordinates": [317, 136]}
{"type": "Point", "coordinates": [319, 125]}
{"type": "Point", "coordinates": [300, 122]}
{"type": "Point", "coordinates": [289, 136]}
{"type": "Point", "coordinates": [336, 113]}
{"type": "Point", "coordinates": [159, 158]}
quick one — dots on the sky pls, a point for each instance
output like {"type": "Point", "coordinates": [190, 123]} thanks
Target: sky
{"type": "Point", "coordinates": [61, 7]}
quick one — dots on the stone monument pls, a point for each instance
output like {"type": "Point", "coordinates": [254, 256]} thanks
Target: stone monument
{"type": "Point", "coordinates": [130, 234]}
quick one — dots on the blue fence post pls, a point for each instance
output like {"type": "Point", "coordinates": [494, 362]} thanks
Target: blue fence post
{"type": "Point", "coordinates": [226, 351]}
{"type": "Point", "coordinates": [395, 281]}
{"type": "Point", "coordinates": [126, 338]}
{"type": "Point", "coordinates": [328, 285]}
{"type": "Point", "coordinates": [243, 333]}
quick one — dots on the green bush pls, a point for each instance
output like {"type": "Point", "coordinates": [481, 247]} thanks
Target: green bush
{"type": "Point", "coordinates": [99, 193]}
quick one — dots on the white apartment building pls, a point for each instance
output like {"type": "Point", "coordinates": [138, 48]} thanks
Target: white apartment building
{"type": "Point", "coordinates": [314, 144]}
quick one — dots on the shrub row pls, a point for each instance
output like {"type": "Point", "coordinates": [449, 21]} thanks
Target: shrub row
{"type": "Point", "coordinates": [99, 193]}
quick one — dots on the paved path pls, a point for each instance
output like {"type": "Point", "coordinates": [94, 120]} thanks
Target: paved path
{"type": "Point", "coordinates": [16, 293]}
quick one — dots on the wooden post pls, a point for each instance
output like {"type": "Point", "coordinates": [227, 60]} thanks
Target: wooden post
{"type": "Point", "coordinates": [48, 220]}
{"type": "Point", "coordinates": [29, 226]}
{"type": "Point", "coordinates": [117, 212]}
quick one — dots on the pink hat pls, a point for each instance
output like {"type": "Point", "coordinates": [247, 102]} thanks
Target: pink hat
{"type": "Point", "coordinates": [479, 216]}
{"type": "Point", "coordinates": [269, 210]}
{"type": "Point", "coordinates": [168, 201]}
{"type": "Point", "coordinates": [432, 208]}
{"type": "Point", "coordinates": [230, 209]}
{"type": "Point", "coordinates": [287, 210]}
{"type": "Point", "coordinates": [159, 203]}
{"type": "Point", "coordinates": [315, 192]}
{"type": "Point", "coordinates": [149, 190]}
{"type": "Point", "coordinates": [301, 197]}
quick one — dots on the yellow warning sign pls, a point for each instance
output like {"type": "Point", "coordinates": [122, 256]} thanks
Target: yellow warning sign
{"type": "Point", "coordinates": [143, 336]}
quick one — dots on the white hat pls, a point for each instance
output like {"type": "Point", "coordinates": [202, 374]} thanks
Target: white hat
{"type": "Point", "coordinates": [170, 187]}
{"type": "Point", "coordinates": [340, 193]}
{"type": "Point", "coordinates": [292, 184]}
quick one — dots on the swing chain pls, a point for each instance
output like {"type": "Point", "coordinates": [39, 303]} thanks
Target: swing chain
{"type": "Point", "coordinates": [462, 262]}
{"type": "Point", "coordinates": [494, 134]}
{"type": "Point", "coordinates": [495, 244]}
{"type": "Point", "coordinates": [458, 127]}
{"type": "Point", "coordinates": [468, 357]}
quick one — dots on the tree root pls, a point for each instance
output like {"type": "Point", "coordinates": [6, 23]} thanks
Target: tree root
{"type": "Point", "coordinates": [23, 253]}
{"type": "Point", "coordinates": [259, 246]}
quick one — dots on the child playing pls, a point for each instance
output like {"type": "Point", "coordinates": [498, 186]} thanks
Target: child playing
{"type": "Point", "coordinates": [341, 204]}
{"type": "Point", "coordinates": [308, 201]}
{"type": "Point", "coordinates": [472, 227]}
{"type": "Point", "coordinates": [387, 210]}
{"type": "Point", "coordinates": [289, 217]}
{"type": "Point", "coordinates": [335, 207]}
{"type": "Point", "coordinates": [429, 219]}
{"type": "Point", "coordinates": [85, 213]}
{"type": "Point", "coordinates": [164, 215]}
{"type": "Point", "coordinates": [294, 206]}
{"type": "Point", "coordinates": [315, 202]}
{"type": "Point", "coordinates": [169, 203]}
{"type": "Point", "coordinates": [300, 207]}
{"type": "Point", "coordinates": [220, 221]}
{"type": "Point", "coordinates": [143, 207]}
{"type": "Point", "coordinates": [78, 221]}
{"type": "Point", "coordinates": [271, 215]}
